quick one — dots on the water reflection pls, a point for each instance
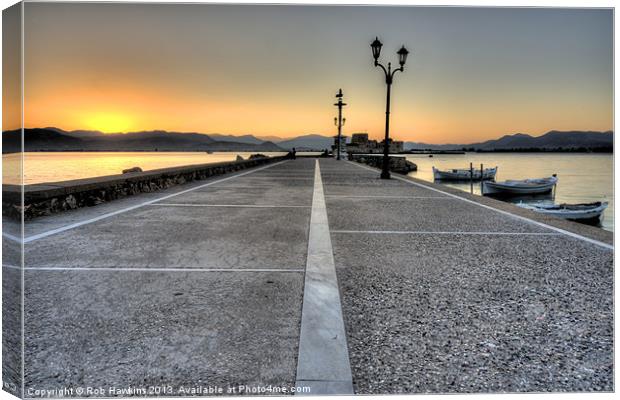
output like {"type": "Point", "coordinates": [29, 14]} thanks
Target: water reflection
{"type": "Point", "coordinates": [42, 167]}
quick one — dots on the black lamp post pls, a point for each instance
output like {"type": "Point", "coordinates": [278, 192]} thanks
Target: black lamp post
{"type": "Point", "coordinates": [339, 121]}
{"type": "Point", "coordinates": [389, 77]}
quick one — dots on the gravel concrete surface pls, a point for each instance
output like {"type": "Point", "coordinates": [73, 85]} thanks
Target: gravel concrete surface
{"type": "Point", "coordinates": [458, 313]}
{"type": "Point", "coordinates": [204, 237]}
{"type": "Point", "coordinates": [123, 326]}
{"type": "Point", "coordinates": [423, 312]}
{"type": "Point", "coordinates": [136, 329]}
{"type": "Point", "coordinates": [418, 215]}
{"type": "Point", "coordinates": [11, 330]}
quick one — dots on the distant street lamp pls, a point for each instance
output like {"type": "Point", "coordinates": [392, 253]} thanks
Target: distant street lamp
{"type": "Point", "coordinates": [389, 77]}
{"type": "Point", "coordinates": [339, 121]}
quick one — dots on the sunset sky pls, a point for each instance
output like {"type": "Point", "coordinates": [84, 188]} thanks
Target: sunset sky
{"type": "Point", "coordinates": [473, 73]}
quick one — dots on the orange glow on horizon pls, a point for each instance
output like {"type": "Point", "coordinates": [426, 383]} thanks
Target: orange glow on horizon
{"type": "Point", "coordinates": [167, 68]}
{"type": "Point", "coordinates": [129, 107]}
{"type": "Point", "coordinates": [108, 122]}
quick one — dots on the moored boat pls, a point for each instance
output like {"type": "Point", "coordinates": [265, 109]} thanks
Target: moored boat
{"type": "Point", "coordinates": [520, 187]}
{"type": "Point", "coordinates": [576, 212]}
{"type": "Point", "coordinates": [464, 174]}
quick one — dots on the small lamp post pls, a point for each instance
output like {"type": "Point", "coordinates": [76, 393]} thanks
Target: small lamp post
{"type": "Point", "coordinates": [339, 121]}
{"type": "Point", "coordinates": [389, 77]}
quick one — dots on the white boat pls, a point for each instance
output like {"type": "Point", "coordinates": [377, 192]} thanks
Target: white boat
{"type": "Point", "coordinates": [577, 212]}
{"type": "Point", "coordinates": [463, 174]}
{"type": "Point", "coordinates": [520, 187]}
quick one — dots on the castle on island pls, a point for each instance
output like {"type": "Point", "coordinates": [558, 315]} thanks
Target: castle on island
{"type": "Point", "coordinates": [360, 144]}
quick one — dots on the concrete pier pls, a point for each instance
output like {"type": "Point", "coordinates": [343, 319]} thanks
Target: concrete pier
{"type": "Point", "coordinates": [244, 280]}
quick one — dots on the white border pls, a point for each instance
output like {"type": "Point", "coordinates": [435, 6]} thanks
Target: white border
{"type": "Point", "coordinates": [478, 3]}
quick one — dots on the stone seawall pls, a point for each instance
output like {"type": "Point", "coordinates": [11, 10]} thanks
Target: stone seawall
{"type": "Point", "coordinates": [397, 164]}
{"type": "Point", "coordinates": [50, 198]}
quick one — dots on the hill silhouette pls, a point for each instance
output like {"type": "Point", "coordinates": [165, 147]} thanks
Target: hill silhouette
{"type": "Point", "coordinates": [308, 142]}
{"type": "Point", "coordinates": [552, 140]}
{"type": "Point", "coordinates": [55, 139]}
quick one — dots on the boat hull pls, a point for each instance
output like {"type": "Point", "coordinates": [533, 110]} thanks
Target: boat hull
{"type": "Point", "coordinates": [580, 212]}
{"type": "Point", "coordinates": [464, 174]}
{"type": "Point", "coordinates": [516, 189]}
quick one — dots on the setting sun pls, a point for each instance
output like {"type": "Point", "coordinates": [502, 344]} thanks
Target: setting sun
{"type": "Point", "coordinates": [108, 122]}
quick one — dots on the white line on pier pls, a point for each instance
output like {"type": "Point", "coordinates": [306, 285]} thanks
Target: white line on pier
{"type": "Point", "coordinates": [224, 205]}
{"type": "Point", "coordinates": [450, 233]}
{"type": "Point", "coordinates": [282, 178]}
{"type": "Point", "coordinates": [146, 269]}
{"type": "Point", "coordinates": [515, 216]}
{"type": "Point", "coordinates": [259, 185]}
{"type": "Point", "coordinates": [323, 362]}
{"type": "Point", "coordinates": [146, 203]}
{"type": "Point", "coordinates": [388, 197]}
{"type": "Point", "coordinates": [11, 237]}
{"type": "Point", "coordinates": [286, 175]}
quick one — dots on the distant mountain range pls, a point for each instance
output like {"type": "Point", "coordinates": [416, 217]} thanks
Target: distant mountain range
{"type": "Point", "coordinates": [308, 142]}
{"type": "Point", "coordinates": [552, 140]}
{"type": "Point", "coordinates": [55, 139]}
{"type": "Point", "coordinates": [248, 139]}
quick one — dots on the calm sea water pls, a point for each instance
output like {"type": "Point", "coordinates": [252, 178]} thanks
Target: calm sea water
{"type": "Point", "coordinates": [583, 178]}
{"type": "Point", "coordinates": [42, 167]}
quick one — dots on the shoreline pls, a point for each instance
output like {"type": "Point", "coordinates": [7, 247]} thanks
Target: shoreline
{"type": "Point", "coordinates": [421, 152]}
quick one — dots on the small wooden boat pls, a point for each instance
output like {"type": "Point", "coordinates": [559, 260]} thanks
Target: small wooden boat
{"type": "Point", "coordinates": [520, 187]}
{"type": "Point", "coordinates": [464, 174]}
{"type": "Point", "coordinates": [576, 212]}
